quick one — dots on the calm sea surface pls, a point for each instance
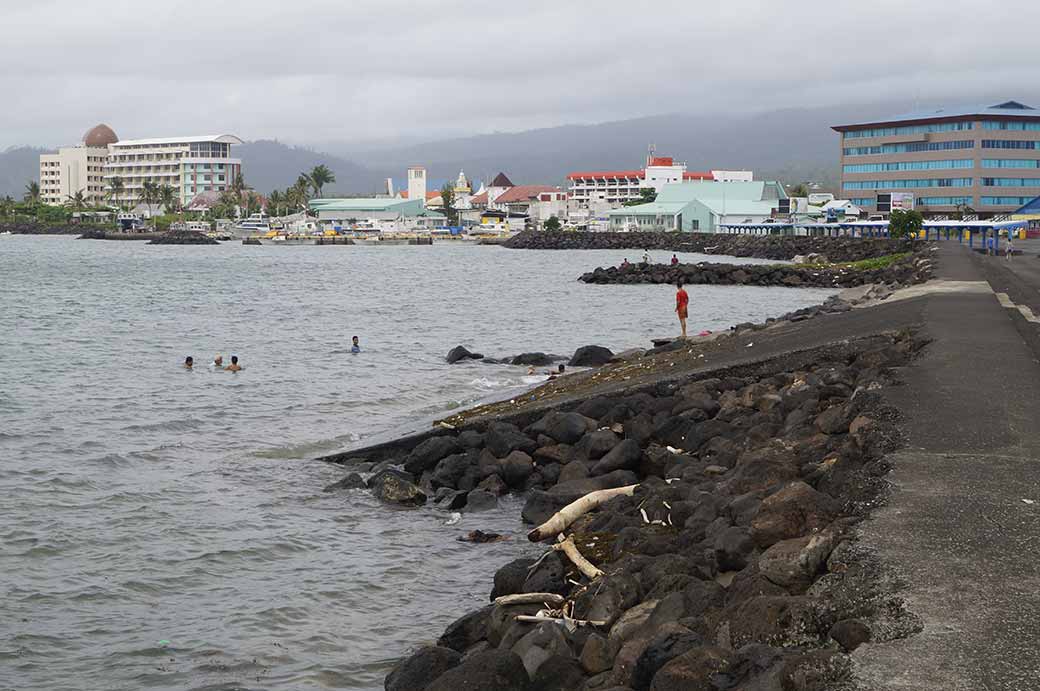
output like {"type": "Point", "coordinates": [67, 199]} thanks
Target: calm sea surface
{"type": "Point", "coordinates": [165, 529]}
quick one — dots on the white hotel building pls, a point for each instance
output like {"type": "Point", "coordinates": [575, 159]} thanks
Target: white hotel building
{"type": "Point", "coordinates": [191, 165]}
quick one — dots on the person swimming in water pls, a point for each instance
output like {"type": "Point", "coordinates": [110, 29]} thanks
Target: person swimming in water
{"type": "Point", "coordinates": [218, 362]}
{"type": "Point", "coordinates": [355, 346]}
{"type": "Point", "coordinates": [189, 362]}
{"type": "Point", "coordinates": [234, 366]}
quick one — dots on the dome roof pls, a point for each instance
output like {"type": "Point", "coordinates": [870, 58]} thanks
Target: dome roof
{"type": "Point", "coordinates": [100, 136]}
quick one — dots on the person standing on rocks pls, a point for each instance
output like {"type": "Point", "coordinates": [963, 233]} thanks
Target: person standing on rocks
{"type": "Point", "coordinates": [682, 301]}
{"type": "Point", "coordinates": [675, 260]}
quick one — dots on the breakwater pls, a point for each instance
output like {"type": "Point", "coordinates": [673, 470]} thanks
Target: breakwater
{"type": "Point", "coordinates": [907, 270]}
{"type": "Point", "coordinates": [28, 228]}
{"type": "Point", "coordinates": [724, 550]}
{"type": "Point", "coordinates": [836, 249]}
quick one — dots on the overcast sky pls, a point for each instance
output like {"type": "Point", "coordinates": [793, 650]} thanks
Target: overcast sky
{"type": "Point", "coordinates": [306, 71]}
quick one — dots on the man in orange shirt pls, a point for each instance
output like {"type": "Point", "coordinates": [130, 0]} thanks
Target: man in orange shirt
{"type": "Point", "coordinates": [682, 300]}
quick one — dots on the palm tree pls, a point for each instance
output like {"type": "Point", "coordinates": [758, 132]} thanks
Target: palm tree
{"type": "Point", "coordinates": [168, 198]}
{"type": "Point", "coordinates": [320, 176]}
{"type": "Point", "coordinates": [299, 191]}
{"type": "Point", "coordinates": [238, 185]}
{"type": "Point", "coordinates": [115, 190]}
{"type": "Point", "coordinates": [149, 194]}
{"type": "Point", "coordinates": [77, 201]}
{"type": "Point", "coordinates": [274, 203]}
{"type": "Point", "coordinates": [32, 192]}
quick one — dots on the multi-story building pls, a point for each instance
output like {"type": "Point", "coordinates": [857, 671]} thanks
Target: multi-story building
{"type": "Point", "coordinates": [77, 169]}
{"type": "Point", "coordinates": [982, 158]}
{"type": "Point", "coordinates": [615, 187]}
{"type": "Point", "coordinates": [191, 165]}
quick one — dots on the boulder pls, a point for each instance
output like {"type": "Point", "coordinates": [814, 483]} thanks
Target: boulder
{"type": "Point", "coordinates": [575, 489]}
{"type": "Point", "coordinates": [493, 484]}
{"type": "Point", "coordinates": [460, 353]}
{"type": "Point", "coordinates": [834, 420]}
{"type": "Point", "coordinates": [466, 630]}
{"type": "Point", "coordinates": [541, 643]}
{"type": "Point", "coordinates": [609, 599]}
{"type": "Point", "coordinates": [509, 579]}
{"type": "Point", "coordinates": [595, 445]}
{"type": "Point", "coordinates": [457, 471]}
{"type": "Point", "coordinates": [797, 509]}
{"type": "Point", "coordinates": [535, 359]}
{"type": "Point", "coordinates": [568, 428]}
{"type": "Point", "coordinates": [668, 643]}
{"type": "Point", "coordinates": [489, 670]}
{"type": "Point", "coordinates": [558, 673]}
{"type": "Point", "coordinates": [625, 456]}
{"type": "Point", "coordinates": [427, 454]}
{"type": "Point", "coordinates": [590, 356]}
{"type": "Point", "coordinates": [395, 487]}
{"type": "Point", "coordinates": [732, 547]}
{"type": "Point", "coordinates": [762, 468]}
{"type": "Point", "coordinates": [470, 439]}
{"type": "Point", "coordinates": [352, 481]}
{"type": "Point", "coordinates": [554, 453]}
{"type": "Point", "coordinates": [694, 670]}
{"type": "Point", "coordinates": [850, 634]}
{"type": "Point", "coordinates": [516, 467]}
{"type": "Point", "coordinates": [596, 656]}
{"type": "Point", "coordinates": [420, 668]}
{"type": "Point", "coordinates": [794, 563]}
{"type": "Point", "coordinates": [550, 576]}
{"type": "Point", "coordinates": [539, 506]}
{"type": "Point", "coordinates": [480, 500]}
{"type": "Point", "coordinates": [503, 438]}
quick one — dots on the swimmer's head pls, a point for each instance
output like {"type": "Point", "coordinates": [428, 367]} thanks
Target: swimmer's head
{"type": "Point", "coordinates": [354, 340]}
{"type": "Point", "coordinates": [189, 361]}
{"type": "Point", "coordinates": [234, 359]}
{"type": "Point", "coordinates": [219, 359]}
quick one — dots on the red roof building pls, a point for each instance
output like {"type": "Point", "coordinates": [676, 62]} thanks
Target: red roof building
{"type": "Point", "coordinates": [618, 186]}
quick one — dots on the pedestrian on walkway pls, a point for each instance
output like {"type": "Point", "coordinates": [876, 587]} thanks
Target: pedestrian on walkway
{"type": "Point", "coordinates": [1009, 250]}
{"type": "Point", "coordinates": [682, 300]}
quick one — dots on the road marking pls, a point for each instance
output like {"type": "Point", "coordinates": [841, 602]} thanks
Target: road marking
{"type": "Point", "coordinates": [1024, 310]}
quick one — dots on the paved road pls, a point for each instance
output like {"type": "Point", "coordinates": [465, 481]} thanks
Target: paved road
{"type": "Point", "coordinates": [960, 527]}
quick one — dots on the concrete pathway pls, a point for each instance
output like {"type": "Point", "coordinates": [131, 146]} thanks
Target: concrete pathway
{"type": "Point", "coordinates": [962, 527]}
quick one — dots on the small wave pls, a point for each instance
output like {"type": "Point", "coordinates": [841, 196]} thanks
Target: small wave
{"type": "Point", "coordinates": [177, 425]}
{"type": "Point", "coordinates": [492, 384]}
{"type": "Point", "coordinates": [307, 449]}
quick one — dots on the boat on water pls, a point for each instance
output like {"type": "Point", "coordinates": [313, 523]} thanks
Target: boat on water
{"type": "Point", "coordinates": [258, 223]}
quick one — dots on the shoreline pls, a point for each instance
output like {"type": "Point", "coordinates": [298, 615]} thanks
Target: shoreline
{"type": "Point", "coordinates": [588, 432]}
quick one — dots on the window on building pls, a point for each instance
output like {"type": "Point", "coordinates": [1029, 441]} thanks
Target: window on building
{"type": "Point", "coordinates": [905, 184]}
{"type": "Point", "coordinates": [1005, 201]}
{"type": "Point", "coordinates": [908, 165]}
{"type": "Point", "coordinates": [909, 129]}
{"type": "Point", "coordinates": [1011, 182]}
{"type": "Point", "coordinates": [1010, 163]}
{"type": "Point", "coordinates": [1011, 125]}
{"type": "Point", "coordinates": [1010, 144]}
{"type": "Point", "coordinates": [943, 201]}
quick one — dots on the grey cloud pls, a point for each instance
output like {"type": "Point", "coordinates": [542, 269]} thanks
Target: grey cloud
{"type": "Point", "coordinates": [309, 70]}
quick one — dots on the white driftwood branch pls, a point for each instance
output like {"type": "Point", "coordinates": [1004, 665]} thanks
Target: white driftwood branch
{"type": "Point", "coordinates": [584, 565]}
{"type": "Point", "coordinates": [531, 599]}
{"type": "Point", "coordinates": [559, 620]}
{"type": "Point", "coordinates": [570, 513]}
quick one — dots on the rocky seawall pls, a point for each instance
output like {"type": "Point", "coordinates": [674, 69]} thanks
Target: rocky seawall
{"type": "Point", "coordinates": [183, 237]}
{"type": "Point", "coordinates": [724, 558]}
{"type": "Point", "coordinates": [909, 270]}
{"type": "Point", "coordinates": [20, 228]}
{"type": "Point", "coordinates": [837, 249]}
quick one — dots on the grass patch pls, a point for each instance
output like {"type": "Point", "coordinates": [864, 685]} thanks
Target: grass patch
{"type": "Point", "coordinates": [872, 264]}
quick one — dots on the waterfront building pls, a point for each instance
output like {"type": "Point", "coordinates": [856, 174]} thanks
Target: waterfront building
{"type": "Point", "coordinates": [702, 206]}
{"type": "Point", "coordinates": [190, 165]}
{"type": "Point", "coordinates": [538, 202]}
{"type": "Point", "coordinates": [613, 188]}
{"type": "Point", "coordinates": [77, 169]}
{"type": "Point", "coordinates": [388, 214]}
{"type": "Point", "coordinates": [982, 158]}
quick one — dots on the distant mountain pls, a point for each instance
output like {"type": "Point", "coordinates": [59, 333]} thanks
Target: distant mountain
{"type": "Point", "coordinates": [793, 145]}
{"type": "Point", "coordinates": [18, 165]}
{"type": "Point", "coordinates": [269, 165]}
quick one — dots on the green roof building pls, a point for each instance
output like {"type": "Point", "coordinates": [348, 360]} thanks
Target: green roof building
{"type": "Point", "coordinates": [701, 206]}
{"type": "Point", "coordinates": [366, 207]}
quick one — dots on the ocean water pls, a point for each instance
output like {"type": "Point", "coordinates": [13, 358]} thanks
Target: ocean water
{"type": "Point", "coordinates": [166, 529]}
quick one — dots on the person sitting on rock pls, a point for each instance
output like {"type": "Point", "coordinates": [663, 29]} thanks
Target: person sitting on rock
{"type": "Point", "coordinates": [234, 366]}
{"type": "Point", "coordinates": [625, 264]}
{"type": "Point", "coordinates": [189, 362]}
{"type": "Point", "coordinates": [355, 346]}
{"type": "Point", "coordinates": [682, 300]}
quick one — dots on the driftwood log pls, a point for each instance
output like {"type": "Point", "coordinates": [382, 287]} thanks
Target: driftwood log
{"type": "Point", "coordinates": [531, 599]}
{"type": "Point", "coordinates": [559, 521]}
{"type": "Point", "coordinates": [584, 565]}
